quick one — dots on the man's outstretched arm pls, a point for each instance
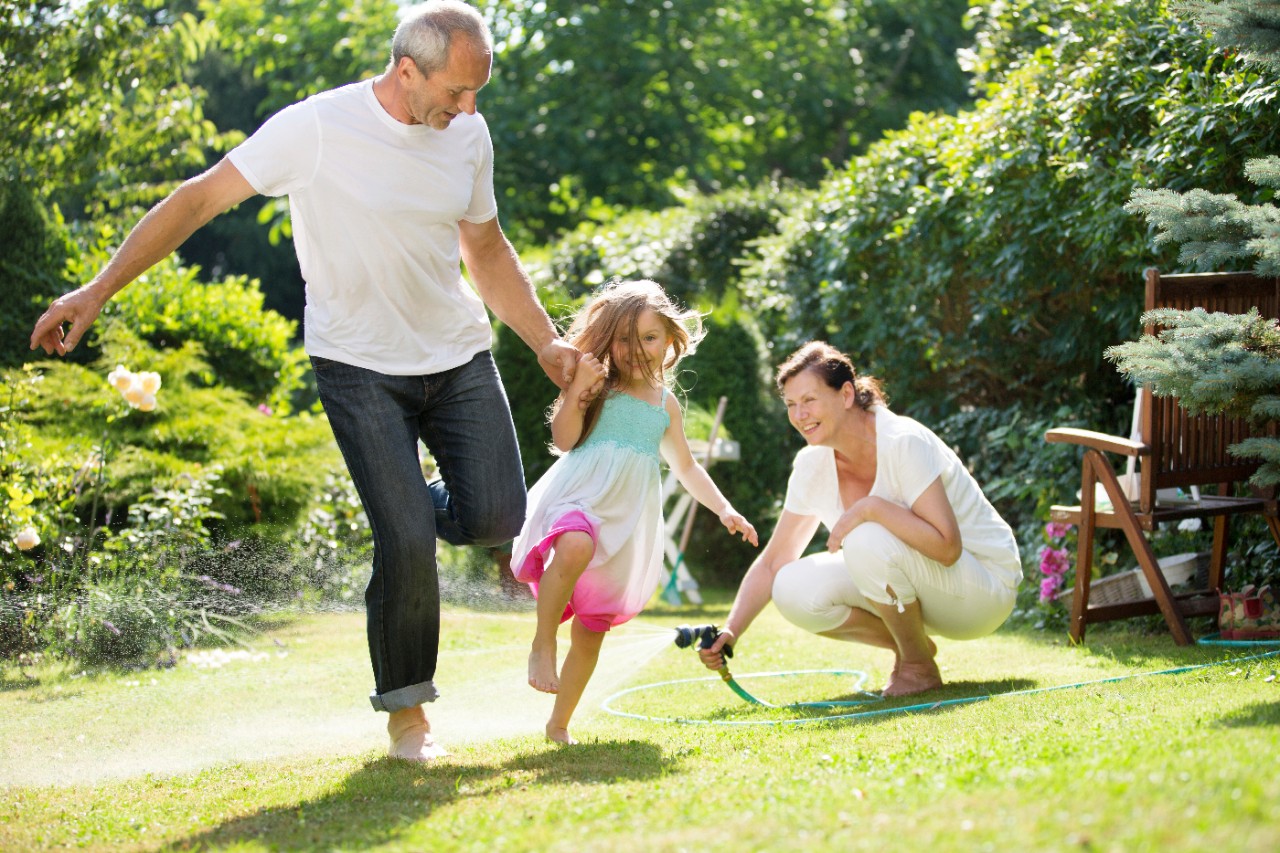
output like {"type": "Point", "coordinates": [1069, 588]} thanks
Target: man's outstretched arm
{"type": "Point", "coordinates": [165, 227]}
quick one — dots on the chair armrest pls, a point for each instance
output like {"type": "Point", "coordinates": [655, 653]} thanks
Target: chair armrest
{"type": "Point", "coordinates": [1096, 441]}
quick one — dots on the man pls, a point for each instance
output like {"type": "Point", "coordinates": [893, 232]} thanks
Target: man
{"type": "Point", "coordinates": [390, 183]}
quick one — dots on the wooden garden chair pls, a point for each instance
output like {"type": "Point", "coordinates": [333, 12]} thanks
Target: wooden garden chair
{"type": "Point", "coordinates": [1175, 451]}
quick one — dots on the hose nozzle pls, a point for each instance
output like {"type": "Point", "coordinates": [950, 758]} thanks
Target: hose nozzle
{"type": "Point", "coordinates": [704, 635]}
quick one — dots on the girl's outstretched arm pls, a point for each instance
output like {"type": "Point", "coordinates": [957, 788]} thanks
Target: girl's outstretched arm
{"type": "Point", "coordinates": [695, 479]}
{"type": "Point", "coordinates": [566, 425]}
{"type": "Point", "coordinates": [790, 537]}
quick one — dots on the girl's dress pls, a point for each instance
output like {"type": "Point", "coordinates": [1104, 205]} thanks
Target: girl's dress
{"type": "Point", "coordinates": [610, 488]}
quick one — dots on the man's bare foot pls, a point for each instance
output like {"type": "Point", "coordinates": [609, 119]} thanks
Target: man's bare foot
{"type": "Point", "coordinates": [559, 734]}
{"type": "Point", "coordinates": [411, 738]}
{"type": "Point", "coordinates": [912, 678]}
{"type": "Point", "coordinates": [542, 670]}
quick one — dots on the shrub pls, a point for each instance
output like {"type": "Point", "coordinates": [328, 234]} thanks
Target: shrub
{"type": "Point", "coordinates": [984, 260]}
{"type": "Point", "coordinates": [244, 346]}
{"type": "Point", "coordinates": [32, 256]}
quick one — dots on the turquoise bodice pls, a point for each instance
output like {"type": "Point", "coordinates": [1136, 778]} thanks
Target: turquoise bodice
{"type": "Point", "coordinates": [631, 423]}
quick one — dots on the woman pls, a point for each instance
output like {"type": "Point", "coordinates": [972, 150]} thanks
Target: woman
{"type": "Point", "coordinates": [914, 547]}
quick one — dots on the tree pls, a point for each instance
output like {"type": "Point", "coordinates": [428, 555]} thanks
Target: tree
{"type": "Point", "coordinates": [602, 105]}
{"type": "Point", "coordinates": [1220, 363]}
{"type": "Point", "coordinates": [98, 114]}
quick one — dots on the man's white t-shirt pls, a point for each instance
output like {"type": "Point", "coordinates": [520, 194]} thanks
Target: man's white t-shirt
{"type": "Point", "coordinates": [909, 457]}
{"type": "Point", "coordinates": [375, 206]}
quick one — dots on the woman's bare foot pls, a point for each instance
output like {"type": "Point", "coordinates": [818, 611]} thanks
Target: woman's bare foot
{"type": "Point", "coordinates": [559, 734]}
{"type": "Point", "coordinates": [912, 678]}
{"type": "Point", "coordinates": [897, 659]}
{"type": "Point", "coordinates": [411, 738]}
{"type": "Point", "coordinates": [542, 669]}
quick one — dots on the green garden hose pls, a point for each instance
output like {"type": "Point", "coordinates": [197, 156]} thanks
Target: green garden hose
{"type": "Point", "coordinates": [686, 635]}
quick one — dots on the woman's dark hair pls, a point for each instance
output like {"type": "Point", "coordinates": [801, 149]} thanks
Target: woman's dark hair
{"type": "Point", "coordinates": [835, 369]}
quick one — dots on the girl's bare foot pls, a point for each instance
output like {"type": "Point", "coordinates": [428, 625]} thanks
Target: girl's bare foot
{"type": "Point", "coordinates": [411, 738]}
{"type": "Point", "coordinates": [542, 669]}
{"type": "Point", "coordinates": [559, 734]}
{"type": "Point", "coordinates": [912, 678]}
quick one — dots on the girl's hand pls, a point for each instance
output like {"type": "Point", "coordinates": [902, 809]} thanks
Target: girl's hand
{"type": "Point", "coordinates": [735, 523]}
{"type": "Point", "coordinates": [588, 380]}
{"type": "Point", "coordinates": [861, 511]}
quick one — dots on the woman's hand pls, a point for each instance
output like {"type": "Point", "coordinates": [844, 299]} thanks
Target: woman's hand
{"type": "Point", "coordinates": [734, 522]}
{"type": "Point", "coordinates": [713, 658]}
{"type": "Point", "coordinates": [863, 510]}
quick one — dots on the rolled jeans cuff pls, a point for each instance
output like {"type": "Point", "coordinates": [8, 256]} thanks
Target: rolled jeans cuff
{"type": "Point", "coordinates": [405, 697]}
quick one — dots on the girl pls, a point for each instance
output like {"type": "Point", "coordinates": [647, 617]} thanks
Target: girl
{"type": "Point", "coordinates": [591, 546]}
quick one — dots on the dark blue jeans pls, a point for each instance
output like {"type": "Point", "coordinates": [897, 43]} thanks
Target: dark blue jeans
{"type": "Point", "coordinates": [462, 417]}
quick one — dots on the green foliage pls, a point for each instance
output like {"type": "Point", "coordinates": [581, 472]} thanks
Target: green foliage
{"type": "Point", "coordinates": [32, 255]}
{"type": "Point", "coordinates": [1251, 27]}
{"type": "Point", "coordinates": [1005, 451]}
{"type": "Point", "coordinates": [336, 543]}
{"type": "Point", "coordinates": [530, 394]}
{"type": "Point", "coordinates": [293, 50]}
{"type": "Point", "coordinates": [244, 346]}
{"type": "Point", "coordinates": [694, 250]}
{"type": "Point", "coordinates": [1217, 364]}
{"type": "Point", "coordinates": [698, 93]}
{"type": "Point", "coordinates": [39, 493]}
{"type": "Point", "coordinates": [270, 465]}
{"type": "Point", "coordinates": [985, 258]}
{"type": "Point", "coordinates": [158, 528]}
{"type": "Point", "coordinates": [97, 112]}
{"type": "Point", "coordinates": [1216, 231]}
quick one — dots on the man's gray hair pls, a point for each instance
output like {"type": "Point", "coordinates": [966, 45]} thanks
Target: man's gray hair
{"type": "Point", "coordinates": [426, 31]}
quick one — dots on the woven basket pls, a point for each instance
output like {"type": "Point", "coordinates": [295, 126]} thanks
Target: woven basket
{"type": "Point", "coordinates": [1113, 589]}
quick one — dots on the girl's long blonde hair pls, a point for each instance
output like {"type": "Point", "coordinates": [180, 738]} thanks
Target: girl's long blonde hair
{"type": "Point", "coordinates": [615, 309]}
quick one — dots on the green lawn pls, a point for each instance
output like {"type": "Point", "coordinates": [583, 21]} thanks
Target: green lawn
{"type": "Point", "coordinates": [279, 750]}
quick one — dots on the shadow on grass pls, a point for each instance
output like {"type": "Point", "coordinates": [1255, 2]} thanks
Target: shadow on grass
{"type": "Point", "coordinates": [863, 707]}
{"type": "Point", "coordinates": [1259, 714]}
{"type": "Point", "coordinates": [385, 798]}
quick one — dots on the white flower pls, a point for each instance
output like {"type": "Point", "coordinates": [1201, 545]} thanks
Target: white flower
{"type": "Point", "coordinates": [27, 538]}
{"type": "Point", "coordinates": [150, 382]}
{"type": "Point", "coordinates": [120, 378]}
{"type": "Point", "coordinates": [1189, 524]}
{"type": "Point", "coordinates": [134, 394]}
{"type": "Point", "coordinates": [147, 403]}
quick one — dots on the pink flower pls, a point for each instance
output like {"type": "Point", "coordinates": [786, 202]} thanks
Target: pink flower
{"type": "Point", "coordinates": [1049, 588]}
{"type": "Point", "coordinates": [1054, 561]}
{"type": "Point", "coordinates": [1057, 530]}
{"type": "Point", "coordinates": [265, 409]}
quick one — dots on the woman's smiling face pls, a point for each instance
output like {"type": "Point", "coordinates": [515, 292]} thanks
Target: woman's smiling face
{"type": "Point", "coordinates": [814, 408]}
